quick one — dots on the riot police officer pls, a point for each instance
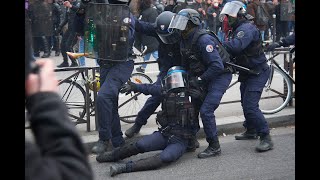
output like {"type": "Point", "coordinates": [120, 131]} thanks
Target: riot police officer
{"type": "Point", "coordinates": [113, 74]}
{"type": "Point", "coordinates": [205, 64]}
{"type": "Point", "coordinates": [178, 122]}
{"type": "Point", "coordinates": [246, 46]}
{"type": "Point", "coordinates": [169, 55]}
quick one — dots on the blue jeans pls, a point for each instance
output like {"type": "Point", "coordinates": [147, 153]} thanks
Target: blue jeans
{"type": "Point", "coordinates": [262, 35]}
{"type": "Point", "coordinates": [147, 57]}
{"type": "Point", "coordinates": [221, 35]}
{"type": "Point", "coordinates": [82, 59]}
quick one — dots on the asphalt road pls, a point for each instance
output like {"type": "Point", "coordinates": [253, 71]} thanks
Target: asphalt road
{"type": "Point", "coordinates": [238, 161]}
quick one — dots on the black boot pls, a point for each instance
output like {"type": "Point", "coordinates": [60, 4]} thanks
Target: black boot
{"type": "Point", "coordinates": [64, 63]}
{"type": "Point", "coordinates": [193, 144]}
{"type": "Point", "coordinates": [135, 129]}
{"type": "Point", "coordinates": [46, 47]}
{"type": "Point", "coordinates": [74, 63]}
{"type": "Point", "coordinates": [118, 153]}
{"type": "Point", "coordinates": [212, 150]}
{"type": "Point", "coordinates": [248, 134]}
{"type": "Point", "coordinates": [117, 169]}
{"type": "Point", "coordinates": [265, 144]}
{"type": "Point", "coordinates": [100, 146]}
{"type": "Point", "coordinates": [149, 163]}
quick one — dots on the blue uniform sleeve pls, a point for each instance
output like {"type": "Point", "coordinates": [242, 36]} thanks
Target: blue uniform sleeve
{"type": "Point", "coordinates": [243, 36]}
{"type": "Point", "coordinates": [146, 28]}
{"type": "Point", "coordinates": [147, 89]}
{"type": "Point", "coordinates": [210, 57]}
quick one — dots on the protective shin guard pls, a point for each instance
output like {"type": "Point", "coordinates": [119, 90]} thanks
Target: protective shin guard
{"type": "Point", "coordinates": [119, 153]}
{"type": "Point", "coordinates": [149, 163]}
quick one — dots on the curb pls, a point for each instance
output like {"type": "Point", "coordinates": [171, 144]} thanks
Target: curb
{"type": "Point", "coordinates": [229, 128]}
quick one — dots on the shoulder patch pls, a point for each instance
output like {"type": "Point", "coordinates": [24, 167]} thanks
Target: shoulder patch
{"type": "Point", "coordinates": [209, 48]}
{"type": "Point", "coordinates": [240, 34]}
{"type": "Point", "coordinates": [126, 20]}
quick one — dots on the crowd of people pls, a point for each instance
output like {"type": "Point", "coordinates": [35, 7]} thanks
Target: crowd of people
{"type": "Point", "coordinates": [195, 71]}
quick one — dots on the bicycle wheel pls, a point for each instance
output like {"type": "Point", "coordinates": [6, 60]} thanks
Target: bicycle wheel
{"type": "Point", "coordinates": [277, 94]}
{"type": "Point", "coordinates": [131, 104]}
{"type": "Point", "coordinates": [73, 95]}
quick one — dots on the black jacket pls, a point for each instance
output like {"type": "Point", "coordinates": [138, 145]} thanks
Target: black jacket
{"type": "Point", "coordinates": [58, 152]}
{"type": "Point", "coordinates": [147, 15]}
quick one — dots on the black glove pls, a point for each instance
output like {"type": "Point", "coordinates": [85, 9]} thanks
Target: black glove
{"type": "Point", "coordinates": [196, 94]}
{"type": "Point", "coordinates": [57, 31]}
{"type": "Point", "coordinates": [271, 47]}
{"type": "Point", "coordinates": [128, 87]}
{"type": "Point", "coordinates": [194, 82]}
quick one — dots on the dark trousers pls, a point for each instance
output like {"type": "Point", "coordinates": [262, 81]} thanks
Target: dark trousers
{"type": "Point", "coordinates": [173, 147]}
{"type": "Point", "coordinates": [216, 89]}
{"type": "Point", "coordinates": [149, 107]}
{"type": "Point", "coordinates": [68, 41]}
{"type": "Point", "coordinates": [251, 90]}
{"type": "Point", "coordinates": [111, 78]}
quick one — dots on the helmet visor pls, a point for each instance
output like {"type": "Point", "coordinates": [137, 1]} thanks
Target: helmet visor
{"type": "Point", "coordinates": [178, 22]}
{"type": "Point", "coordinates": [175, 80]}
{"type": "Point", "coordinates": [230, 9]}
{"type": "Point", "coordinates": [170, 38]}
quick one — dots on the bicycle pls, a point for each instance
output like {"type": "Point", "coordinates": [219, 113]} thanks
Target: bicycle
{"type": "Point", "coordinates": [279, 89]}
{"type": "Point", "coordinates": [73, 93]}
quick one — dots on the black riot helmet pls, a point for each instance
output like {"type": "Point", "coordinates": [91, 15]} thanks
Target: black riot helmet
{"type": "Point", "coordinates": [162, 28]}
{"type": "Point", "coordinates": [181, 19]}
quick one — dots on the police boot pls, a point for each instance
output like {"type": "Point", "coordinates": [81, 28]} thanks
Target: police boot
{"type": "Point", "coordinates": [118, 153]}
{"type": "Point", "coordinates": [212, 150]}
{"type": "Point", "coordinates": [74, 63]}
{"type": "Point", "coordinates": [46, 47]}
{"type": "Point", "coordinates": [64, 63]}
{"type": "Point", "coordinates": [149, 163]}
{"type": "Point", "coordinates": [118, 169]}
{"type": "Point", "coordinates": [265, 143]}
{"type": "Point", "coordinates": [57, 45]}
{"type": "Point", "coordinates": [100, 147]}
{"type": "Point", "coordinates": [135, 129]}
{"type": "Point", "coordinates": [193, 144]}
{"type": "Point", "coordinates": [248, 134]}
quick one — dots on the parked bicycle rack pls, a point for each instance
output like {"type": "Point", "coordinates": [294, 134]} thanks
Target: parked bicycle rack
{"type": "Point", "coordinates": [288, 65]}
{"type": "Point", "coordinates": [87, 91]}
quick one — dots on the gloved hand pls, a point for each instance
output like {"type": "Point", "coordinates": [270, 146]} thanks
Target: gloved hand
{"type": "Point", "coordinates": [196, 94]}
{"type": "Point", "coordinates": [128, 87]}
{"type": "Point", "coordinates": [271, 47]}
{"type": "Point", "coordinates": [57, 30]}
{"type": "Point", "coordinates": [195, 82]}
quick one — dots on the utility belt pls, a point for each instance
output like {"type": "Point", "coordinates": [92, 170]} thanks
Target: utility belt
{"type": "Point", "coordinates": [169, 131]}
{"type": "Point", "coordinates": [183, 119]}
{"type": "Point", "coordinates": [259, 68]}
{"type": "Point", "coordinates": [109, 64]}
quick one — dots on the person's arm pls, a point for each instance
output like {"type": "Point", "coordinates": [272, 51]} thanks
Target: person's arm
{"type": "Point", "coordinates": [58, 152]}
{"type": "Point", "coordinates": [211, 58]}
{"type": "Point", "coordinates": [243, 37]}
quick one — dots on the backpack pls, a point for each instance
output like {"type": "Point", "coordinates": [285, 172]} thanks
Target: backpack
{"type": "Point", "coordinates": [262, 16]}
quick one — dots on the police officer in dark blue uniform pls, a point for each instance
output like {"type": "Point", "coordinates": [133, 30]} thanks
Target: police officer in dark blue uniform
{"type": "Point", "coordinates": [113, 74]}
{"type": "Point", "coordinates": [246, 46]}
{"type": "Point", "coordinates": [178, 122]}
{"type": "Point", "coordinates": [169, 55]}
{"type": "Point", "coordinates": [204, 62]}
